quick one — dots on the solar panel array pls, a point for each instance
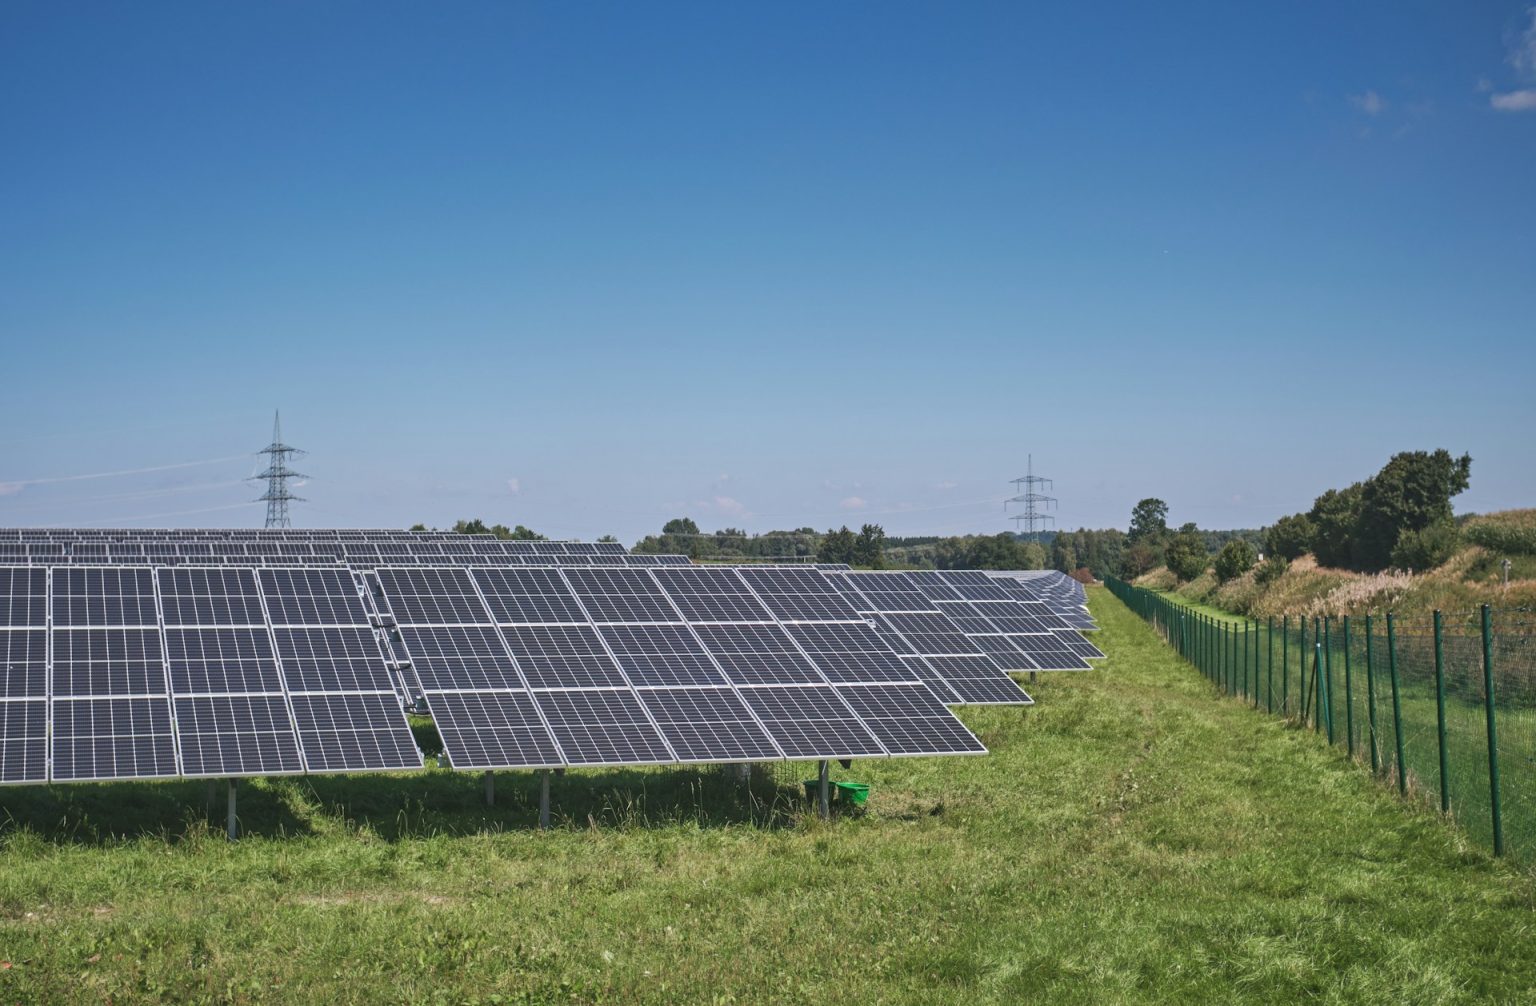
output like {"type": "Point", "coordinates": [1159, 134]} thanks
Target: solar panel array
{"type": "Point", "coordinates": [148, 654]}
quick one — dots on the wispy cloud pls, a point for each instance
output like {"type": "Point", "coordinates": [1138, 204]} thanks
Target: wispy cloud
{"type": "Point", "coordinates": [853, 503]}
{"type": "Point", "coordinates": [514, 486]}
{"type": "Point", "coordinates": [1370, 102]}
{"type": "Point", "coordinates": [1522, 56]}
{"type": "Point", "coordinates": [1514, 101]}
{"type": "Point", "coordinates": [946, 485]}
{"type": "Point", "coordinates": [10, 488]}
{"type": "Point", "coordinates": [726, 504]}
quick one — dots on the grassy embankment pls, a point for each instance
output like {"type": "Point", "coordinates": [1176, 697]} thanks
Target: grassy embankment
{"type": "Point", "coordinates": [1129, 839]}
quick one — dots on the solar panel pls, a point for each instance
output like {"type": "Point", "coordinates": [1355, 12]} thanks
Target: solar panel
{"type": "Point", "coordinates": [479, 701]}
{"type": "Point", "coordinates": [24, 685]}
{"type": "Point", "coordinates": [345, 708]}
{"type": "Point", "coordinates": [111, 716]}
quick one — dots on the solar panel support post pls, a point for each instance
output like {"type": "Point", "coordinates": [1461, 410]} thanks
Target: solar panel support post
{"type": "Point", "coordinates": [823, 803]}
{"type": "Point", "coordinates": [490, 789]}
{"type": "Point", "coordinates": [544, 800]}
{"type": "Point", "coordinates": [233, 824]}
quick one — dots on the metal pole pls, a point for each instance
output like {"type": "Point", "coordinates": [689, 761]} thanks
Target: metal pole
{"type": "Point", "coordinates": [824, 807]}
{"type": "Point", "coordinates": [1370, 694]}
{"type": "Point", "coordinates": [1397, 708]}
{"type": "Point", "coordinates": [1493, 733]}
{"type": "Point", "coordinates": [1328, 675]}
{"type": "Point", "coordinates": [1269, 664]}
{"type": "Point", "coordinates": [1285, 665]}
{"type": "Point", "coordinates": [544, 800]}
{"type": "Point", "coordinates": [1317, 675]}
{"type": "Point", "coordinates": [234, 826]}
{"type": "Point", "coordinates": [1349, 697]}
{"type": "Point", "coordinates": [1301, 670]}
{"type": "Point", "coordinates": [1445, 775]}
{"type": "Point", "coordinates": [490, 789]}
{"type": "Point", "coordinates": [1244, 692]}
{"type": "Point", "coordinates": [1256, 661]}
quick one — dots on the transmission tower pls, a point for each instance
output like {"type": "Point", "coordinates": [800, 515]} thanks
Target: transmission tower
{"type": "Point", "coordinates": [1035, 503]}
{"type": "Point", "coordinates": [277, 497]}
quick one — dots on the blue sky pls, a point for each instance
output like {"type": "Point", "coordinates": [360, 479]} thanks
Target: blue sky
{"type": "Point", "coordinates": [589, 266]}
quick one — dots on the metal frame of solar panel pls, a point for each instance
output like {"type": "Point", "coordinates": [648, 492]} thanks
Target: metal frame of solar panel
{"type": "Point", "coordinates": [927, 638]}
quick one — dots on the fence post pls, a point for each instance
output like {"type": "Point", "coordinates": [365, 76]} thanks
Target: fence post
{"type": "Point", "coordinates": [1303, 681]}
{"type": "Point", "coordinates": [1397, 709]}
{"type": "Point", "coordinates": [1349, 697]}
{"type": "Point", "coordinates": [1269, 668]}
{"type": "Point", "coordinates": [1328, 673]}
{"type": "Point", "coordinates": [1370, 694]}
{"type": "Point", "coordinates": [1317, 676]}
{"type": "Point", "coordinates": [1445, 791]}
{"type": "Point", "coordinates": [1285, 665]}
{"type": "Point", "coordinates": [1493, 733]}
{"type": "Point", "coordinates": [1245, 659]}
{"type": "Point", "coordinates": [1255, 624]}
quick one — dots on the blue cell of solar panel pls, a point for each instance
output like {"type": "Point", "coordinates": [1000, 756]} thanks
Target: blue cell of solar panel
{"type": "Point", "coordinates": [24, 741]}
{"type": "Point", "coordinates": [613, 594]}
{"type": "Point", "coordinates": [708, 725]}
{"type": "Point", "coordinates": [312, 597]}
{"type": "Point", "coordinates": [529, 596]}
{"type": "Point", "coordinates": [332, 659]}
{"type": "Point", "coordinates": [810, 721]}
{"type": "Point", "coordinates": [603, 727]}
{"type": "Point", "coordinates": [23, 596]}
{"type": "Point", "coordinates": [23, 663]}
{"type": "Point", "coordinates": [85, 596]}
{"type": "Point", "coordinates": [99, 739]}
{"type": "Point", "coordinates": [102, 662]}
{"type": "Point", "coordinates": [454, 658]}
{"type": "Point", "coordinates": [236, 735]}
{"type": "Point", "coordinates": [218, 661]}
{"type": "Point", "coordinates": [432, 596]}
{"type": "Point", "coordinates": [757, 654]}
{"type": "Point", "coordinates": [493, 730]}
{"type": "Point", "coordinates": [562, 656]}
{"type": "Point", "coordinates": [352, 733]}
{"type": "Point", "coordinates": [661, 655]}
{"type": "Point", "coordinates": [192, 595]}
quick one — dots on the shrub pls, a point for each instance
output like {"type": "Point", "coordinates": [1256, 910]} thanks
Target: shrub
{"type": "Point", "coordinates": [1428, 548]}
{"type": "Point", "coordinates": [1499, 533]}
{"type": "Point", "coordinates": [1236, 558]}
{"type": "Point", "coordinates": [1272, 569]}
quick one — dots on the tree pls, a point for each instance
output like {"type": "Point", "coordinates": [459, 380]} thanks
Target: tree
{"type": "Point", "coordinates": [1235, 558]}
{"type": "Point", "coordinates": [608, 539]}
{"type": "Point", "coordinates": [1149, 522]}
{"type": "Point", "coordinates": [1031, 556]}
{"type": "Point", "coordinates": [869, 547]}
{"type": "Point", "coordinates": [1411, 493]}
{"type": "Point", "coordinates": [1136, 560]}
{"type": "Point", "coordinates": [1185, 555]}
{"type": "Point", "coordinates": [1289, 537]}
{"type": "Point", "coordinates": [680, 525]}
{"type": "Point", "coordinates": [417, 527]}
{"type": "Point", "coordinates": [1427, 548]}
{"type": "Point", "coordinates": [476, 526]}
{"type": "Point", "coordinates": [1334, 516]}
{"type": "Point", "coordinates": [837, 546]}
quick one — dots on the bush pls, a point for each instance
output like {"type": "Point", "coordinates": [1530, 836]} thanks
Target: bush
{"type": "Point", "coordinates": [1428, 548]}
{"type": "Point", "coordinates": [1272, 569]}
{"type": "Point", "coordinates": [1498, 534]}
{"type": "Point", "coordinates": [1236, 558]}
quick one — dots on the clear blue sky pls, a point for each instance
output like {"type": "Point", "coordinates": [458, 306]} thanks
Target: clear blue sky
{"type": "Point", "coordinates": [589, 266]}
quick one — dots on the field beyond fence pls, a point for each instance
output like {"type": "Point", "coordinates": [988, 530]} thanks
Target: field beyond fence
{"type": "Point", "coordinates": [1441, 705]}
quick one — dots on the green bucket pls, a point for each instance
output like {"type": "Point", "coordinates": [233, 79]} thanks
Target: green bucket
{"type": "Point", "coordinates": [856, 793]}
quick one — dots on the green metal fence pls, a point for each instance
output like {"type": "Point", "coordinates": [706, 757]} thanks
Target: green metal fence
{"type": "Point", "coordinates": [1442, 706]}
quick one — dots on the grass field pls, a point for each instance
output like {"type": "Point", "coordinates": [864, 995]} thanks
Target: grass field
{"type": "Point", "coordinates": [1131, 838]}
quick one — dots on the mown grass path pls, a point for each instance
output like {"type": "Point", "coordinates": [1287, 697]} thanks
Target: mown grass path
{"type": "Point", "coordinates": [1133, 838]}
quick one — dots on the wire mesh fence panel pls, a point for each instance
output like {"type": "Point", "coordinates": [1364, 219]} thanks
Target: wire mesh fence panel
{"type": "Point", "coordinates": [1415, 659]}
{"type": "Point", "coordinates": [1512, 650]}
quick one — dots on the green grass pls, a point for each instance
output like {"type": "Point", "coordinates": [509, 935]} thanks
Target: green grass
{"type": "Point", "coordinates": [1131, 838]}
